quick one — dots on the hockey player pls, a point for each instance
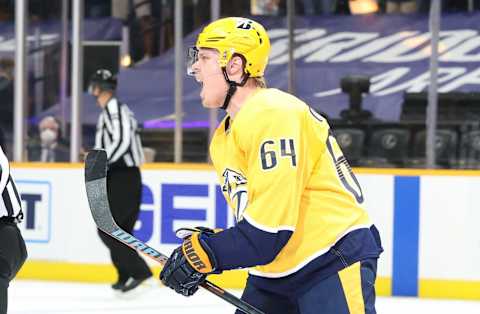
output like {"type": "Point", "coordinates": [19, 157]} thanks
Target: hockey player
{"type": "Point", "coordinates": [297, 203]}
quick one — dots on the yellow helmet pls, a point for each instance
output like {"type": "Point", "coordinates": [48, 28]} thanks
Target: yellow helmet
{"type": "Point", "coordinates": [238, 35]}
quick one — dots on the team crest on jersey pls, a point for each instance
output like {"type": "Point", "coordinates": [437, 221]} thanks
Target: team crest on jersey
{"type": "Point", "coordinates": [235, 185]}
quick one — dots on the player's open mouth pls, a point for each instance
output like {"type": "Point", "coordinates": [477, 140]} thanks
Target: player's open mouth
{"type": "Point", "coordinates": [197, 78]}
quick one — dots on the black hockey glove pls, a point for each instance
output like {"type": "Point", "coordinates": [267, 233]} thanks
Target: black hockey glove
{"type": "Point", "coordinates": [189, 264]}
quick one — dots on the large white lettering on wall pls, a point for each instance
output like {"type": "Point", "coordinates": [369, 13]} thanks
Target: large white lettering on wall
{"type": "Point", "coordinates": [394, 51]}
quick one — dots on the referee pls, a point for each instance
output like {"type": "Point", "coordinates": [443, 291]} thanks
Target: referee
{"type": "Point", "coordinates": [117, 134]}
{"type": "Point", "coordinates": [12, 246]}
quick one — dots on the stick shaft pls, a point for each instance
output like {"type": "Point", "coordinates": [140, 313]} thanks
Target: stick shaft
{"type": "Point", "coordinates": [150, 252]}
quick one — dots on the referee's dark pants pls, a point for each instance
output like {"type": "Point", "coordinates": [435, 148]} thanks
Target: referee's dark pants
{"type": "Point", "coordinates": [124, 196]}
{"type": "Point", "coordinates": [13, 254]}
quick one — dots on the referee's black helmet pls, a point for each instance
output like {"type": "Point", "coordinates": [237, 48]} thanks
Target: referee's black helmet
{"type": "Point", "coordinates": [104, 80]}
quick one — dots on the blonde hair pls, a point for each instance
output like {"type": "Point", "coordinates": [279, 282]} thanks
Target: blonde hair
{"type": "Point", "coordinates": [259, 82]}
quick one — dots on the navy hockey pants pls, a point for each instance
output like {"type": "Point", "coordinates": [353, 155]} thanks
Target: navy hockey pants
{"type": "Point", "coordinates": [350, 291]}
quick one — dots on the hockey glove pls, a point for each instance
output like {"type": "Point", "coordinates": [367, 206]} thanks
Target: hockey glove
{"type": "Point", "coordinates": [189, 264]}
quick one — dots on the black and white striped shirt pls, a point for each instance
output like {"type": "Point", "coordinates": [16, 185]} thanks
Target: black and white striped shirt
{"type": "Point", "coordinates": [117, 134]}
{"type": "Point", "coordinates": [10, 205]}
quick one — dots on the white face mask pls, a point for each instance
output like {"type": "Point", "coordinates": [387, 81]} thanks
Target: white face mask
{"type": "Point", "coordinates": [48, 136]}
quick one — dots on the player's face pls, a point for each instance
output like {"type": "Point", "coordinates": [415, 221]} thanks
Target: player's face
{"type": "Point", "coordinates": [209, 74]}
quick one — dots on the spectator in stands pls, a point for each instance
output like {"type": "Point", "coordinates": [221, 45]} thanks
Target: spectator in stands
{"type": "Point", "coordinates": [142, 9]}
{"type": "Point", "coordinates": [401, 6]}
{"type": "Point", "coordinates": [49, 146]}
{"type": "Point", "coordinates": [265, 7]}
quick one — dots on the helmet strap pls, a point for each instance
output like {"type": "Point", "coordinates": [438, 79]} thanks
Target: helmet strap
{"type": "Point", "coordinates": [232, 87]}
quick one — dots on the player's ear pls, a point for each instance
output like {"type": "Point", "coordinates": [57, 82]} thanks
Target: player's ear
{"type": "Point", "coordinates": [235, 66]}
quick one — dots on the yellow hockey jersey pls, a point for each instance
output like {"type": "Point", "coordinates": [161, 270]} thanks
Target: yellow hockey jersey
{"type": "Point", "coordinates": [282, 172]}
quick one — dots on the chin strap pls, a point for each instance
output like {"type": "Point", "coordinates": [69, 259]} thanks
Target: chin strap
{"type": "Point", "coordinates": [232, 87]}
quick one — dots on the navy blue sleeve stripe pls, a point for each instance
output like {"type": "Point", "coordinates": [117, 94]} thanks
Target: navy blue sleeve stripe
{"type": "Point", "coordinates": [246, 246]}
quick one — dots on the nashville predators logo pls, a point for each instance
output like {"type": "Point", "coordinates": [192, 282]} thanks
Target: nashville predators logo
{"type": "Point", "coordinates": [235, 185]}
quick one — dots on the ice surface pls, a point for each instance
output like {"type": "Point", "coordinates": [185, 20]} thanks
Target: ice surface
{"type": "Point", "coordinates": [44, 297]}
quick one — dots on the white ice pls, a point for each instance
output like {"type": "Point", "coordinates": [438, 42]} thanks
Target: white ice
{"type": "Point", "coordinates": [44, 297]}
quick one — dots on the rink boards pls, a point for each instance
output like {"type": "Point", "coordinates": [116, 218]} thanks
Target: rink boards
{"type": "Point", "coordinates": [429, 223]}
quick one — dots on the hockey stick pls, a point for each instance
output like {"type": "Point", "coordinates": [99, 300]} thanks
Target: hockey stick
{"type": "Point", "coordinates": [96, 186]}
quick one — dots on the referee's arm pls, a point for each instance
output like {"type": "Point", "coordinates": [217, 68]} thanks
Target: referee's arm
{"type": "Point", "coordinates": [120, 132]}
{"type": "Point", "coordinates": [4, 171]}
{"type": "Point", "coordinates": [10, 204]}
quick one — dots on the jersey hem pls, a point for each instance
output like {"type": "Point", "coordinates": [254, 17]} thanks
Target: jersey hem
{"type": "Point", "coordinates": [306, 261]}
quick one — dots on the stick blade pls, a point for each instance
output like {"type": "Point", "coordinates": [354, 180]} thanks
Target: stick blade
{"type": "Point", "coordinates": [95, 165]}
{"type": "Point", "coordinates": [96, 187]}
